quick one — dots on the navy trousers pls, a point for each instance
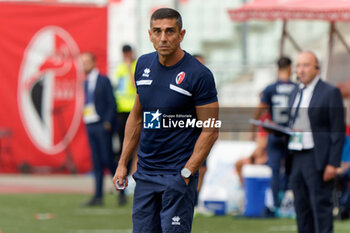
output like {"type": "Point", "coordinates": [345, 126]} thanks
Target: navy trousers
{"type": "Point", "coordinates": [312, 196]}
{"type": "Point", "coordinates": [276, 152]}
{"type": "Point", "coordinates": [163, 203]}
{"type": "Point", "coordinates": [102, 154]}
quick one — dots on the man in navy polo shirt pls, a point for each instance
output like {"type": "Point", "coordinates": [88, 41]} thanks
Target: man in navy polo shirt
{"type": "Point", "coordinates": [174, 121]}
{"type": "Point", "coordinates": [275, 99]}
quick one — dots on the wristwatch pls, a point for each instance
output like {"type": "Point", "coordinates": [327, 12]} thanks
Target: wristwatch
{"type": "Point", "coordinates": [186, 173]}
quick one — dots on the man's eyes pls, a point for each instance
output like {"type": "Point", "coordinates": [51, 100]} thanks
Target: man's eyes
{"type": "Point", "coordinates": [303, 65]}
{"type": "Point", "coordinates": [168, 31]}
{"type": "Point", "coordinates": [171, 31]}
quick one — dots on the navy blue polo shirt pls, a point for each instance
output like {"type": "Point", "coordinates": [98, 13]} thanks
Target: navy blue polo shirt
{"type": "Point", "coordinates": [170, 94]}
{"type": "Point", "coordinates": [276, 96]}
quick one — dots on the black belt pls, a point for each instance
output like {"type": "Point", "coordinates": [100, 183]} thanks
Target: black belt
{"type": "Point", "coordinates": [302, 151]}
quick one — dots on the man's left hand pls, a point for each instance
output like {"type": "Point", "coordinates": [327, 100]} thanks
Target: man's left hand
{"type": "Point", "coordinates": [186, 180]}
{"type": "Point", "coordinates": [329, 173]}
{"type": "Point", "coordinates": [107, 125]}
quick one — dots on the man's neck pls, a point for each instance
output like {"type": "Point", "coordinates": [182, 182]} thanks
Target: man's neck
{"type": "Point", "coordinates": [312, 82]}
{"type": "Point", "coordinates": [284, 76]}
{"type": "Point", "coordinates": [171, 59]}
{"type": "Point", "coordinates": [93, 72]}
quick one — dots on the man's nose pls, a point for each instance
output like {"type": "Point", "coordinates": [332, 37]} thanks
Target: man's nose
{"type": "Point", "coordinates": [163, 36]}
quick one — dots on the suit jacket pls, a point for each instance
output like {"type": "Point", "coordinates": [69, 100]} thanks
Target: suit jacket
{"type": "Point", "coordinates": [104, 99]}
{"type": "Point", "coordinates": [327, 120]}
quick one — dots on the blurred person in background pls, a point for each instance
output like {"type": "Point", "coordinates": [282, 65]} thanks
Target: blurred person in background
{"type": "Point", "coordinates": [173, 81]}
{"type": "Point", "coordinates": [99, 116]}
{"type": "Point", "coordinates": [274, 99]}
{"type": "Point", "coordinates": [317, 120]}
{"type": "Point", "coordinates": [125, 92]}
{"type": "Point", "coordinates": [344, 88]}
{"type": "Point", "coordinates": [200, 58]}
{"type": "Point", "coordinates": [343, 173]}
{"type": "Point", "coordinates": [259, 155]}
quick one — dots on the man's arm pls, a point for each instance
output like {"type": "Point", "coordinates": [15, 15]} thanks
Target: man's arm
{"type": "Point", "coordinates": [132, 136]}
{"type": "Point", "coordinates": [206, 139]}
{"type": "Point", "coordinates": [337, 134]}
{"type": "Point", "coordinates": [260, 109]}
{"type": "Point", "coordinates": [110, 104]}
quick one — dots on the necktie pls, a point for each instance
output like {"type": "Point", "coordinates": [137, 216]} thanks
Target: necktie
{"type": "Point", "coordinates": [297, 107]}
{"type": "Point", "coordinates": [89, 92]}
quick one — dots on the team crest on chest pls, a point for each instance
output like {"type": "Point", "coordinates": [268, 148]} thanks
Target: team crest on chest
{"type": "Point", "coordinates": [180, 77]}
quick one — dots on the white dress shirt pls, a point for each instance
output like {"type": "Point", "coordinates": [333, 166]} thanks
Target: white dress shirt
{"type": "Point", "coordinates": [92, 79]}
{"type": "Point", "coordinates": [90, 114]}
{"type": "Point", "coordinates": [302, 121]}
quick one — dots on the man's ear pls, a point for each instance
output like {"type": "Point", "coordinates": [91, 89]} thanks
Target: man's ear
{"type": "Point", "coordinates": [182, 34]}
{"type": "Point", "coordinates": [149, 35]}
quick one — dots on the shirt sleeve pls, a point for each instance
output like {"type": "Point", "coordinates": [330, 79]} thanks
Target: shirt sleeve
{"type": "Point", "coordinates": [204, 89]}
{"type": "Point", "coordinates": [266, 96]}
{"type": "Point", "coordinates": [136, 74]}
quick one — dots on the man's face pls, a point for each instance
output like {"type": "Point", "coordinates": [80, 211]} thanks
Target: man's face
{"type": "Point", "coordinates": [307, 67]}
{"type": "Point", "coordinates": [128, 56]}
{"type": "Point", "coordinates": [165, 36]}
{"type": "Point", "coordinates": [87, 62]}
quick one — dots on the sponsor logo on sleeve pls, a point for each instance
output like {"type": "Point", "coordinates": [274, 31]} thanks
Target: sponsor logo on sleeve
{"type": "Point", "coordinates": [176, 220]}
{"type": "Point", "coordinates": [146, 72]}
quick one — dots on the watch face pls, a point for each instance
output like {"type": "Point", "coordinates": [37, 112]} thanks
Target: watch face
{"type": "Point", "coordinates": [186, 173]}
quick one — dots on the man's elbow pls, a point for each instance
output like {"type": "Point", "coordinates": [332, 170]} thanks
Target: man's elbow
{"type": "Point", "coordinates": [213, 136]}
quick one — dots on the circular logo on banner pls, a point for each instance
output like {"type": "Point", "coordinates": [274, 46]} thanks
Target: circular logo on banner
{"type": "Point", "coordinates": [50, 89]}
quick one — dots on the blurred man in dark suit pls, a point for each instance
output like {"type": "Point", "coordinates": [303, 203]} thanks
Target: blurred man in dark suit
{"type": "Point", "coordinates": [317, 117]}
{"type": "Point", "coordinates": [99, 115]}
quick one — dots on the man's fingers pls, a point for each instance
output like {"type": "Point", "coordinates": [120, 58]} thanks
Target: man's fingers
{"type": "Point", "coordinates": [120, 179]}
{"type": "Point", "coordinates": [115, 182]}
{"type": "Point", "coordinates": [327, 176]}
{"type": "Point", "coordinates": [121, 183]}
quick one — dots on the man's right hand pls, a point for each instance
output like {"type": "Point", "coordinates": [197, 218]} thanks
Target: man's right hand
{"type": "Point", "coordinates": [120, 175]}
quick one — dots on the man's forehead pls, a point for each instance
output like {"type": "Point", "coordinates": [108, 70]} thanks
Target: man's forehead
{"type": "Point", "coordinates": [306, 58]}
{"type": "Point", "coordinates": [164, 23]}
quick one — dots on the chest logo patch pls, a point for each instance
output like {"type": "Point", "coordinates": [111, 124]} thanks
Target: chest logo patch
{"type": "Point", "coordinates": [180, 77]}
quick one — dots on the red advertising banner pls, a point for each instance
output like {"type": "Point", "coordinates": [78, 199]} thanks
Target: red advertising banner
{"type": "Point", "coordinates": [41, 85]}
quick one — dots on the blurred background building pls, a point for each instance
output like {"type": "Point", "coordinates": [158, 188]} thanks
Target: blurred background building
{"type": "Point", "coordinates": [242, 56]}
{"type": "Point", "coordinates": [236, 52]}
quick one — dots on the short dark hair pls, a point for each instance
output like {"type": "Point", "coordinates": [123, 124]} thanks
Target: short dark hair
{"type": "Point", "coordinates": [167, 13]}
{"type": "Point", "coordinates": [284, 62]}
{"type": "Point", "coordinates": [126, 48]}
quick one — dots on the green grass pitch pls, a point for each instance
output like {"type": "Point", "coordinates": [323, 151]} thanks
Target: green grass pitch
{"type": "Point", "coordinates": [61, 213]}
